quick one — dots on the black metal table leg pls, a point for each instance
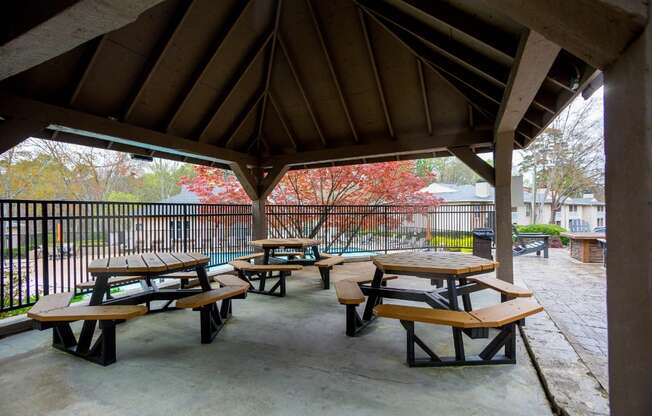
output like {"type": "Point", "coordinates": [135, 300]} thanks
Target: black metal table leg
{"type": "Point", "coordinates": [315, 252]}
{"type": "Point", "coordinates": [88, 329]}
{"type": "Point", "coordinates": [373, 300]}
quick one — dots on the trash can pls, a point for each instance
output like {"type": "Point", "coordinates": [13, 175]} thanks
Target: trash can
{"type": "Point", "coordinates": [482, 239]}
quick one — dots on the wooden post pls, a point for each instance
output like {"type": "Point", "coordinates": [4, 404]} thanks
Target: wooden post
{"type": "Point", "coordinates": [628, 151]}
{"type": "Point", "coordinates": [504, 142]}
{"type": "Point", "coordinates": [259, 219]}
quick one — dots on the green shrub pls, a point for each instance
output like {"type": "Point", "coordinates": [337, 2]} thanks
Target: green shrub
{"type": "Point", "coordinates": [454, 242]}
{"type": "Point", "coordinates": [548, 229]}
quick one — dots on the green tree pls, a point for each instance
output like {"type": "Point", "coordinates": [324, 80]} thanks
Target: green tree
{"type": "Point", "coordinates": [447, 170]}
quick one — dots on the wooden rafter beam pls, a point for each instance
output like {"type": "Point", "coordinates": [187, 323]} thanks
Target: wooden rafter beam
{"type": "Point", "coordinates": [14, 131]}
{"type": "Point", "coordinates": [534, 59]}
{"type": "Point", "coordinates": [89, 68]}
{"type": "Point", "coordinates": [428, 57]}
{"type": "Point", "coordinates": [374, 66]}
{"type": "Point", "coordinates": [597, 31]}
{"type": "Point", "coordinates": [299, 84]}
{"type": "Point", "coordinates": [209, 61]}
{"type": "Point", "coordinates": [249, 109]}
{"type": "Point", "coordinates": [270, 66]}
{"type": "Point", "coordinates": [331, 68]}
{"type": "Point", "coordinates": [424, 95]}
{"type": "Point", "coordinates": [233, 85]}
{"type": "Point", "coordinates": [385, 146]}
{"type": "Point", "coordinates": [153, 64]}
{"type": "Point", "coordinates": [70, 24]}
{"type": "Point", "coordinates": [80, 123]}
{"type": "Point", "coordinates": [444, 45]}
{"type": "Point", "coordinates": [462, 24]}
{"type": "Point", "coordinates": [281, 117]}
{"type": "Point", "coordinates": [473, 161]}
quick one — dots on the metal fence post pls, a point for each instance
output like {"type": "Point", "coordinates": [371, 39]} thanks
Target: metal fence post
{"type": "Point", "coordinates": [185, 230]}
{"type": "Point", "coordinates": [386, 233]}
{"type": "Point", "coordinates": [44, 252]}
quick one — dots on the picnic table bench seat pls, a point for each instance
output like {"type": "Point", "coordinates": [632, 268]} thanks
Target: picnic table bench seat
{"type": "Point", "coordinates": [113, 281]}
{"type": "Point", "coordinates": [502, 316]}
{"type": "Point", "coordinates": [248, 257]}
{"type": "Point", "coordinates": [506, 289]}
{"type": "Point", "coordinates": [349, 294]}
{"type": "Point", "coordinates": [289, 254]}
{"type": "Point", "coordinates": [53, 311]}
{"type": "Point", "coordinates": [325, 265]}
{"type": "Point", "coordinates": [229, 280]}
{"type": "Point", "coordinates": [212, 318]}
{"type": "Point", "coordinates": [261, 272]}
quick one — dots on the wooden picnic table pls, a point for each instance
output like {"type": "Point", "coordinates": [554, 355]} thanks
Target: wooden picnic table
{"type": "Point", "coordinates": [271, 245]}
{"type": "Point", "coordinates": [585, 247]}
{"type": "Point", "coordinates": [147, 265]}
{"type": "Point", "coordinates": [454, 268]}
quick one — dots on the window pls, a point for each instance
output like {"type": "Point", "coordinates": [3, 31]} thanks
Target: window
{"type": "Point", "coordinates": [572, 208]}
{"type": "Point", "coordinates": [558, 222]}
{"type": "Point", "coordinates": [600, 222]}
{"type": "Point", "coordinates": [600, 208]}
{"type": "Point", "coordinates": [528, 210]}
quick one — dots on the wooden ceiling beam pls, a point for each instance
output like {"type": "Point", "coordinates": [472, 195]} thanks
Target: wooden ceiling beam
{"type": "Point", "coordinates": [374, 67]}
{"type": "Point", "coordinates": [446, 46]}
{"type": "Point", "coordinates": [271, 179]}
{"type": "Point", "coordinates": [429, 57]}
{"type": "Point", "coordinates": [385, 146]}
{"type": "Point", "coordinates": [14, 131]}
{"type": "Point", "coordinates": [209, 61]}
{"type": "Point", "coordinates": [597, 31]}
{"type": "Point", "coordinates": [533, 61]}
{"type": "Point", "coordinates": [284, 123]}
{"type": "Point", "coordinates": [89, 68]}
{"type": "Point", "coordinates": [302, 90]}
{"type": "Point", "coordinates": [240, 74]}
{"type": "Point", "coordinates": [67, 28]}
{"type": "Point", "coordinates": [455, 19]}
{"type": "Point", "coordinates": [78, 122]}
{"type": "Point", "coordinates": [248, 178]}
{"type": "Point", "coordinates": [152, 64]}
{"type": "Point", "coordinates": [475, 163]}
{"type": "Point", "coordinates": [424, 95]}
{"type": "Point", "coordinates": [331, 68]}
{"type": "Point", "coordinates": [249, 109]}
{"type": "Point", "coordinates": [270, 66]}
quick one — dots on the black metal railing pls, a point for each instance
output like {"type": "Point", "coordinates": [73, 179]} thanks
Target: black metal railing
{"type": "Point", "coordinates": [46, 246]}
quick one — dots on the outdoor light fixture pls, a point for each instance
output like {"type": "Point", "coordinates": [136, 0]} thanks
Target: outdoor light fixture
{"type": "Point", "coordinates": [142, 157]}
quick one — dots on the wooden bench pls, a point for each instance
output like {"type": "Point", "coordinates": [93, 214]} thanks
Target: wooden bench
{"type": "Point", "coordinates": [248, 257]}
{"type": "Point", "coordinates": [251, 272]}
{"type": "Point", "coordinates": [53, 311]}
{"type": "Point", "coordinates": [349, 294]}
{"type": "Point", "coordinates": [289, 254]}
{"type": "Point", "coordinates": [502, 316]}
{"type": "Point", "coordinates": [189, 279]}
{"type": "Point", "coordinates": [325, 266]}
{"type": "Point", "coordinates": [230, 280]}
{"type": "Point", "coordinates": [212, 318]}
{"type": "Point", "coordinates": [508, 290]}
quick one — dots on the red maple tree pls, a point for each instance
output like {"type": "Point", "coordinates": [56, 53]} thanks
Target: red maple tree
{"type": "Point", "coordinates": [326, 191]}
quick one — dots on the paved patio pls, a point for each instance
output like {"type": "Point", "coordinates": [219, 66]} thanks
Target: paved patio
{"type": "Point", "coordinates": [276, 356]}
{"type": "Point", "coordinates": [574, 295]}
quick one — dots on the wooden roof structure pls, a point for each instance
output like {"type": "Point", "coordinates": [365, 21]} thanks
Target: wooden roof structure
{"type": "Point", "coordinates": [267, 83]}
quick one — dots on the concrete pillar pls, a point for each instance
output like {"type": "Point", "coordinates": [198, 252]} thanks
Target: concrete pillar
{"type": "Point", "coordinates": [628, 148]}
{"type": "Point", "coordinates": [504, 142]}
{"type": "Point", "coordinates": [259, 219]}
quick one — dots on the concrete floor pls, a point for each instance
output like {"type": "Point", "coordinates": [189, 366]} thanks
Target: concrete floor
{"type": "Point", "coordinates": [276, 356]}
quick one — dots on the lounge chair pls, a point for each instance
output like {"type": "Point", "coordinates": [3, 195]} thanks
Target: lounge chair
{"type": "Point", "coordinates": [526, 243]}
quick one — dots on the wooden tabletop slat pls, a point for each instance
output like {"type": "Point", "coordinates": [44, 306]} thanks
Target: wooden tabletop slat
{"type": "Point", "coordinates": [436, 263]}
{"type": "Point", "coordinates": [286, 242]}
{"type": "Point", "coordinates": [147, 263]}
{"type": "Point", "coordinates": [154, 263]}
{"type": "Point", "coordinates": [98, 265]}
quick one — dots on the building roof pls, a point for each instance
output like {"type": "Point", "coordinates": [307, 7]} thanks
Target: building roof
{"type": "Point", "coordinates": [467, 193]}
{"type": "Point", "coordinates": [267, 84]}
{"type": "Point", "coordinates": [186, 196]}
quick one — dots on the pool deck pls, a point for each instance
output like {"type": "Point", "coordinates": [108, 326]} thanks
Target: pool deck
{"type": "Point", "coordinates": [277, 356]}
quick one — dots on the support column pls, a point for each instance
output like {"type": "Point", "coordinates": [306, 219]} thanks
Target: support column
{"type": "Point", "coordinates": [259, 219]}
{"type": "Point", "coordinates": [628, 148]}
{"type": "Point", "coordinates": [504, 142]}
